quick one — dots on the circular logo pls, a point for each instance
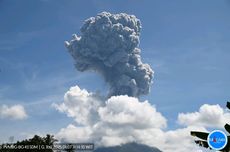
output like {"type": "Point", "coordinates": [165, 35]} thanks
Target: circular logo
{"type": "Point", "coordinates": [217, 140]}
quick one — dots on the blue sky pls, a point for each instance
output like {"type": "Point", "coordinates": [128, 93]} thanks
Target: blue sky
{"type": "Point", "coordinates": [185, 42]}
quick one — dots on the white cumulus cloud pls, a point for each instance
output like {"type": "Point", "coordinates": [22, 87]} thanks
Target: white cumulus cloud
{"type": "Point", "coordinates": [207, 116]}
{"type": "Point", "coordinates": [117, 120]}
{"type": "Point", "coordinates": [124, 110]}
{"type": "Point", "coordinates": [16, 112]}
{"type": "Point", "coordinates": [81, 105]}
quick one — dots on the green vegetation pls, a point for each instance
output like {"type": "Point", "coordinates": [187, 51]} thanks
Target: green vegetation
{"type": "Point", "coordinates": [35, 144]}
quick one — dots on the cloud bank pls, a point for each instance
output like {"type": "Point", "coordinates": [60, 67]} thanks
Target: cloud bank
{"type": "Point", "coordinates": [108, 45]}
{"type": "Point", "coordinates": [121, 119]}
{"type": "Point", "coordinates": [207, 116]}
{"type": "Point", "coordinates": [16, 112]}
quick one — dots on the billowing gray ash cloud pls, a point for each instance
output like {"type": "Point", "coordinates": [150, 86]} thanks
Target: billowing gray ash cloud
{"type": "Point", "coordinates": [109, 45]}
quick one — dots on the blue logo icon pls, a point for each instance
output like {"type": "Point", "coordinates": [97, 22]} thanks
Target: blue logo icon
{"type": "Point", "coordinates": [217, 140]}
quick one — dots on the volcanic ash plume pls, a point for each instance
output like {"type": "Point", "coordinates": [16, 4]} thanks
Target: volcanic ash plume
{"type": "Point", "coordinates": [109, 45]}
